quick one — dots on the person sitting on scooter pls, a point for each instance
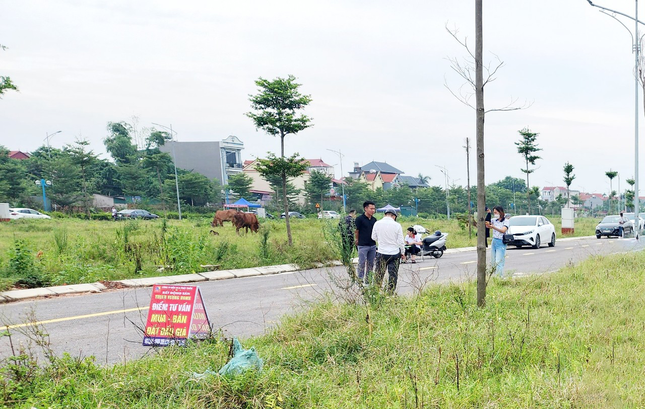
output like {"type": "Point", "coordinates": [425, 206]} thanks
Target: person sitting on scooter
{"type": "Point", "coordinates": [413, 244]}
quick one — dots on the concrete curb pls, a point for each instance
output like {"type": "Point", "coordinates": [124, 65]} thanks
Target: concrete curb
{"type": "Point", "coordinates": [19, 295]}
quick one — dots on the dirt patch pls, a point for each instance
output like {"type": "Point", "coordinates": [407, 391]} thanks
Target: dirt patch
{"type": "Point", "coordinates": [113, 285]}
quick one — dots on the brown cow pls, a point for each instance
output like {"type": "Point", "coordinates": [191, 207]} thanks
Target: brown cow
{"type": "Point", "coordinates": [247, 221]}
{"type": "Point", "coordinates": [222, 216]}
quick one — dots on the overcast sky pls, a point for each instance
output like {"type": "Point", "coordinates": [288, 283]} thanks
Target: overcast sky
{"type": "Point", "coordinates": [377, 73]}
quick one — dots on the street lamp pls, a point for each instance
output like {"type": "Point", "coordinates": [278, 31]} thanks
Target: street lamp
{"type": "Point", "coordinates": [636, 41]}
{"type": "Point", "coordinates": [342, 183]}
{"type": "Point", "coordinates": [49, 152]}
{"type": "Point", "coordinates": [445, 173]}
{"type": "Point", "coordinates": [174, 162]}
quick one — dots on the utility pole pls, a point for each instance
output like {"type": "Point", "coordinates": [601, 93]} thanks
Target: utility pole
{"type": "Point", "coordinates": [342, 182]}
{"type": "Point", "coordinates": [174, 162]}
{"type": "Point", "coordinates": [636, 44]}
{"type": "Point", "coordinates": [445, 173]}
{"type": "Point", "coordinates": [49, 150]}
{"type": "Point", "coordinates": [470, 207]}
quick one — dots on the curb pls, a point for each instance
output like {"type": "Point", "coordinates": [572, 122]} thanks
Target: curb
{"type": "Point", "coordinates": [48, 292]}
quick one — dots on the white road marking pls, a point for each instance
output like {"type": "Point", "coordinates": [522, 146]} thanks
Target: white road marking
{"type": "Point", "coordinates": [550, 251]}
{"type": "Point", "coordinates": [298, 286]}
{"type": "Point", "coordinates": [568, 248]}
{"type": "Point", "coordinates": [427, 268]}
{"type": "Point", "coordinates": [528, 254]}
{"type": "Point", "coordinates": [469, 262]}
{"type": "Point", "coordinates": [585, 245]}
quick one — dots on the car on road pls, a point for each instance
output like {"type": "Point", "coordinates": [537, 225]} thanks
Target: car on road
{"type": "Point", "coordinates": [136, 214]}
{"type": "Point", "coordinates": [293, 214]}
{"type": "Point", "coordinates": [641, 221]}
{"type": "Point", "coordinates": [609, 227]}
{"type": "Point", "coordinates": [328, 214]}
{"type": "Point", "coordinates": [531, 231]}
{"type": "Point", "coordinates": [25, 213]}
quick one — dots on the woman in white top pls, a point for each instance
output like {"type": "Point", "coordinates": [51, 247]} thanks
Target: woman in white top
{"type": "Point", "coordinates": [499, 226]}
{"type": "Point", "coordinates": [412, 244]}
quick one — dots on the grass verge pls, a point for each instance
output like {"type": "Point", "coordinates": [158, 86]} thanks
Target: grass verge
{"type": "Point", "coordinates": [571, 339]}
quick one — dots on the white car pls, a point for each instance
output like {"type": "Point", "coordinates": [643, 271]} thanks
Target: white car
{"type": "Point", "coordinates": [25, 213]}
{"type": "Point", "coordinates": [328, 214]}
{"type": "Point", "coordinates": [531, 231]}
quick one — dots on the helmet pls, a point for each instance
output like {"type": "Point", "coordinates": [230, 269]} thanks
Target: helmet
{"type": "Point", "coordinates": [437, 233]}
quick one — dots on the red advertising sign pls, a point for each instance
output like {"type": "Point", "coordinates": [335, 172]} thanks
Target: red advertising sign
{"type": "Point", "coordinates": [176, 313]}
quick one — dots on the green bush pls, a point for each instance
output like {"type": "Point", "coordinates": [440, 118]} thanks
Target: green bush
{"type": "Point", "coordinates": [23, 268]}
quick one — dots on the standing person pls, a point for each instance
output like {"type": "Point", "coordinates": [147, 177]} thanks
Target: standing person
{"type": "Point", "coordinates": [413, 244]}
{"type": "Point", "coordinates": [113, 213]}
{"type": "Point", "coordinates": [487, 220]}
{"type": "Point", "coordinates": [347, 228]}
{"type": "Point", "coordinates": [621, 221]}
{"type": "Point", "coordinates": [364, 243]}
{"type": "Point", "coordinates": [499, 224]}
{"type": "Point", "coordinates": [389, 235]}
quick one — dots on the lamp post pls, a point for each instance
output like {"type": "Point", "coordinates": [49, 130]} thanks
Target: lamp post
{"type": "Point", "coordinates": [49, 152]}
{"type": "Point", "coordinates": [43, 184]}
{"type": "Point", "coordinates": [342, 183]}
{"type": "Point", "coordinates": [174, 162]}
{"type": "Point", "coordinates": [445, 173]}
{"type": "Point", "coordinates": [636, 41]}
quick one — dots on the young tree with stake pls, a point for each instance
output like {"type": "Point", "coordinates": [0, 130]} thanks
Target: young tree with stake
{"type": "Point", "coordinates": [276, 112]}
{"type": "Point", "coordinates": [568, 179]}
{"type": "Point", "coordinates": [527, 148]}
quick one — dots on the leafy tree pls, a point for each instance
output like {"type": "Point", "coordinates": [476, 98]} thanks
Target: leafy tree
{"type": "Point", "coordinates": [356, 192]}
{"type": "Point", "coordinates": [611, 174]}
{"type": "Point", "coordinates": [277, 104]}
{"type": "Point", "coordinates": [285, 168]}
{"type": "Point", "coordinates": [629, 194]}
{"type": "Point", "coordinates": [399, 196]}
{"type": "Point", "coordinates": [527, 148]}
{"type": "Point", "coordinates": [5, 82]}
{"type": "Point", "coordinates": [66, 188]}
{"type": "Point", "coordinates": [83, 159]}
{"type": "Point", "coordinates": [194, 189]}
{"type": "Point", "coordinates": [513, 184]}
{"type": "Point", "coordinates": [293, 192]}
{"type": "Point", "coordinates": [240, 184]}
{"type": "Point", "coordinates": [119, 143]}
{"type": "Point", "coordinates": [13, 177]}
{"type": "Point", "coordinates": [568, 179]}
{"type": "Point", "coordinates": [424, 179]}
{"type": "Point", "coordinates": [318, 185]}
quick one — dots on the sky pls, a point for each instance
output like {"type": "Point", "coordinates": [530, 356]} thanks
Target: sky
{"type": "Point", "coordinates": [378, 72]}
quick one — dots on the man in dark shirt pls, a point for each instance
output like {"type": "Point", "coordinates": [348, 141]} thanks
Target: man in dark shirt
{"type": "Point", "coordinates": [366, 246]}
{"type": "Point", "coordinates": [487, 219]}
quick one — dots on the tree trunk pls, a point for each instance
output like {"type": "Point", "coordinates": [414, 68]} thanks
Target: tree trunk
{"type": "Point", "coordinates": [481, 184]}
{"type": "Point", "coordinates": [528, 189]}
{"type": "Point", "coordinates": [163, 200]}
{"type": "Point", "coordinates": [285, 202]}
{"type": "Point", "coordinates": [470, 207]}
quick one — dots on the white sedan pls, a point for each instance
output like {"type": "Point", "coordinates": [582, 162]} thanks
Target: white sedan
{"type": "Point", "coordinates": [531, 231]}
{"type": "Point", "coordinates": [25, 213]}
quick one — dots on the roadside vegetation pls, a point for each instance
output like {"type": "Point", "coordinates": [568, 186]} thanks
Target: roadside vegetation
{"type": "Point", "coordinates": [569, 339]}
{"type": "Point", "coordinates": [36, 253]}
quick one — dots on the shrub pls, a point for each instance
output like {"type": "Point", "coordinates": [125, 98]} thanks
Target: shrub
{"type": "Point", "coordinates": [23, 267]}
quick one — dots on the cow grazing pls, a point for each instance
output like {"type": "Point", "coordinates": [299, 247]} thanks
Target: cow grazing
{"type": "Point", "coordinates": [246, 221]}
{"type": "Point", "coordinates": [222, 216]}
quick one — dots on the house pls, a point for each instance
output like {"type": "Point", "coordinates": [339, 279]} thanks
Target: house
{"type": "Point", "coordinates": [215, 159]}
{"type": "Point", "coordinates": [592, 200]}
{"type": "Point", "coordinates": [18, 155]}
{"type": "Point", "coordinates": [551, 193]}
{"type": "Point", "coordinates": [262, 188]}
{"type": "Point", "coordinates": [411, 181]}
{"type": "Point", "coordinates": [377, 175]}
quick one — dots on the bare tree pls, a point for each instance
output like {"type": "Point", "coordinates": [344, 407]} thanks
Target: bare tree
{"type": "Point", "coordinates": [471, 69]}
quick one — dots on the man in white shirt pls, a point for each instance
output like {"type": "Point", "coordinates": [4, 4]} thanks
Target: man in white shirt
{"type": "Point", "coordinates": [621, 224]}
{"type": "Point", "coordinates": [389, 236]}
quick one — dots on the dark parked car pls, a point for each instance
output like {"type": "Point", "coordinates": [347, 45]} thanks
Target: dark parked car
{"type": "Point", "coordinates": [293, 214]}
{"type": "Point", "coordinates": [609, 227]}
{"type": "Point", "coordinates": [136, 214]}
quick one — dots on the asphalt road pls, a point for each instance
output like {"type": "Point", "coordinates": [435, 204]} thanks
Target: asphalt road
{"type": "Point", "coordinates": [108, 325]}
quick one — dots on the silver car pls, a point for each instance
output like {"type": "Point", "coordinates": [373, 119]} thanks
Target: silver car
{"type": "Point", "coordinates": [25, 213]}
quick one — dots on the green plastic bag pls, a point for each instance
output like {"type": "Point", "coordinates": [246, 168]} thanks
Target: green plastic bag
{"type": "Point", "coordinates": [243, 360]}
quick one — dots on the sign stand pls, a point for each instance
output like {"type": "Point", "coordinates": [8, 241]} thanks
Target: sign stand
{"type": "Point", "coordinates": [176, 314]}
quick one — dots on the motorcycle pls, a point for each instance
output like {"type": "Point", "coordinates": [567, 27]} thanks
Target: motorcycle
{"type": "Point", "coordinates": [434, 245]}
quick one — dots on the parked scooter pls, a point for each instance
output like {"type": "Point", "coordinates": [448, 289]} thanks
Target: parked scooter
{"type": "Point", "coordinates": [434, 245]}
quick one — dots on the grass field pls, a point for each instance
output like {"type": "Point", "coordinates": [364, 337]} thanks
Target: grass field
{"type": "Point", "coordinates": [36, 253]}
{"type": "Point", "coordinates": [572, 339]}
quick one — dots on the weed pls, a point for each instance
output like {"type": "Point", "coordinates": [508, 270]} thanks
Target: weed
{"type": "Point", "coordinates": [60, 239]}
